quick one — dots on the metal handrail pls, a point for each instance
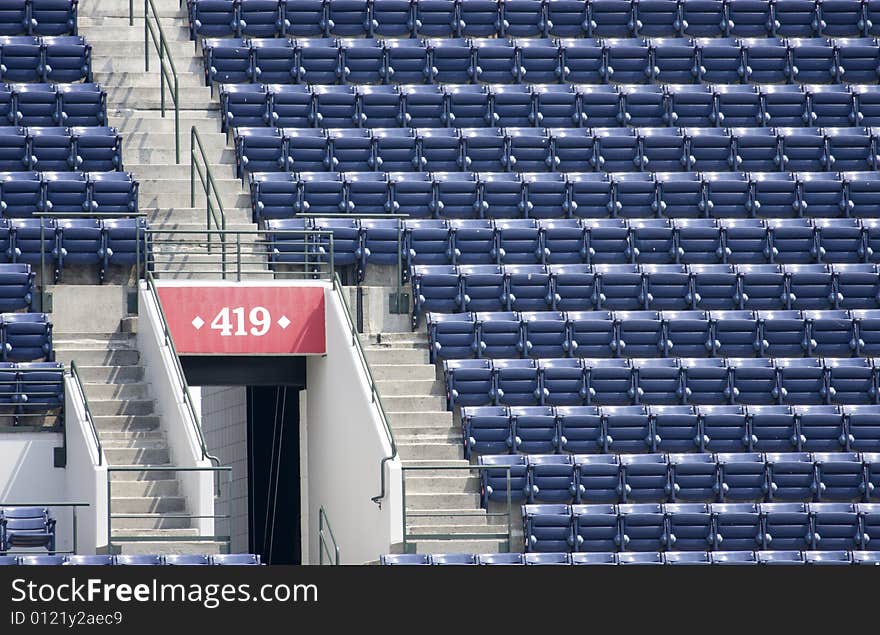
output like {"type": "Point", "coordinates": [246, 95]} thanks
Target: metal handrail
{"type": "Point", "coordinates": [167, 71]}
{"type": "Point", "coordinates": [323, 546]}
{"type": "Point", "coordinates": [208, 185]}
{"type": "Point", "coordinates": [457, 468]}
{"type": "Point", "coordinates": [374, 393]}
{"type": "Point", "coordinates": [74, 374]}
{"type": "Point", "coordinates": [181, 376]}
{"type": "Point", "coordinates": [151, 538]}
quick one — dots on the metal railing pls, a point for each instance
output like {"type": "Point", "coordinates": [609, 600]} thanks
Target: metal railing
{"type": "Point", "coordinates": [167, 71]}
{"type": "Point", "coordinates": [206, 177]}
{"type": "Point", "coordinates": [74, 374]}
{"type": "Point", "coordinates": [324, 547]}
{"type": "Point", "coordinates": [505, 535]}
{"type": "Point", "coordinates": [73, 506]}
{"type": "Point", "coordinates": [159, 516]}
{"type": "Point", "coordinates": [397, 303]}
{"type": "Point", "coordinates": [181, 379]}
{"type": "Point", "coordinates": [374, 392]}
{"type": "Point", "coordinates": [233, 254]}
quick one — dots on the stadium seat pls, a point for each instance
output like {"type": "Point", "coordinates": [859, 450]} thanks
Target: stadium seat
{"type": "Point", "coordinates": [494, 478]}
{"type": "Point", "coordinates": [742, 475]}
{"type": "Point", "coordinates": [581, 431]}
{"type": "Point", "coordinates": [693, 477]}
{"type": "Point", "coordinates": [28, 527]}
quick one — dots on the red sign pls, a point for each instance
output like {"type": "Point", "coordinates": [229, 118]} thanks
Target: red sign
{"type": "Point", "coordinates": [245, 320]}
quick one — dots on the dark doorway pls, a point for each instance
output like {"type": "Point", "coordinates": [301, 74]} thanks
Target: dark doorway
{"type": "Point", "coordinates": [273, 479]}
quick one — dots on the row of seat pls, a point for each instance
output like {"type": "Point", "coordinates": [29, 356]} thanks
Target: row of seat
{"type": "Point", "coordinates": [646, 334]}
{"type": "Point", "coordinates": [543, 61]}
{"type": "Point", "coordinates": [532, 18]}
{"type": "Point", "coordinates": [658, 478]}
{"type": "Point", "coordinates": [26, 527]}
{"type": "Point", "coordinates": [640, 558]}
{"type": "Point", "coordinates": [155, 560]}
{"type": "Point", "coordinates": [39, 17]}
{"type": "Point", "coordinates": [626, 287]}
{"type": "Point", "coordinates": [53, 104]}
{"type": "Point", "coordinates": [529, 242]}
{"type": "Point", "coordinates": [263, 149]}
{"type": "Point", "coordinates": [61, 243]}
{"type": "Point", "coordinates": [30, 388]}
{"type": "Point", "coordinates": [548, 105]}
{"type": "Point", "coordinates": [62, 58]}
{"type": "Point", "coordinates": [587, 195]}
{"type": "Point", "coordinates": [22, 194]}
{"type": "Point", "coordinates": [701, 527]}
{"type": "Point", "coordinates": [663, 381]}
{"type": "Point", "coordinates": [60, 148]}
{"type": "Point", "coordinates": [24, 337]}
{"type": "Point", "coordinates": [16, 286]}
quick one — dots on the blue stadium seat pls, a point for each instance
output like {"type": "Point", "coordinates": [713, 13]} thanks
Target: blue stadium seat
{"type": "Point", "coordinates": [642, 527]}
{"type": "Point", "coordinates": [501, 196]}
{"type": "Point", "coordinates": [405, 559]}
{"type": "Point", "coordinates": [138, 559]}
{"type": "Point", "coordinates": [693, 477]}
{"type": "Point", "coordinates": [619, 287]}
{"type": "Point", "coordinates": [28, 527]}
{"type": "Point", "coordinates": [16, 286]}
{"type": "Point", "coordinates": [486, 430]}
{"type": "Point", "coordinates": [517, 382]}
{"type": "Point", "coordinates": [786, 526]}
{"type": "Point", "coordinates": [65, 58]}
{"type": "Point", "coordinates": [259, 18]}
{"type": "Point", "coordinates": [673, 60]}
{"type": "Point", "coordinates": [857, 287]}
{"type": "Point", "coordinates": [556, 105]}
{"type": "Point", "coordinates": [550, 478]}
{"type": "Point", "coordinates": [714, 286]}
{"type": "Point", "coordinates": [580, 430]}
{"type": "Point", "coordinates": [303, 17]}
{"type": "Point", "coordinates": [639, 334]}
{"type": "Point", "coordinates": [720, 60]}
{"type": "Point", "coordinates": [186, 559]}
{"type": "Point", "coordinates": [705, 381]}
{"type": "Point", "coordinates": [858, 59]}
{"type": "Point", "coordinates": [35, 105]}
{"type": "Point", "coordinates": [347, 17]}
{"type": "Point", "coordinates": [822, 428]}
{"type": "Point", "coordinates": [470, 382]}
{"type": "Point", "coordinates": [597, 478]}
{"type": "Point", "coordinates": [244, 105]}
{"type": "Point", "coordinates": [498, 558]}
{"type": "Point", "coordinates": [609, 382]}
{"type": "Point", "coordinates": [545, 335]}
{"type": "Point", "coordinates": [599, 106]}
{"type": "Point", "coordinates": [407, 60]}
{"type": "Point", "coordinates": [753, 381]}
{"type": "Point", "coordinates": [547, 528]}
{"type": "Point", "coordinates": [368, 193]}
{"type": "Point", "coordinates": [482, 288]}
{"type": "Point", "coordinates": [26, 337]}
{"type": "Point", "coordinates": [690, 527]}
{"type": "Point", "coordinates": [236, 559]}
{"type": "Point", "coordinates": [534, 429]}
{"type": "Point", "coordinates": [801, 381]}
{"type": "Point", "coordinates": [675, 428]}
{"type": "Point", "coordinates": [273, 62]}
{"type": "Point", "coordinates": [451, 59]}
{"type": "Point", "coordinates": [319, 63]}
{"type": "Point", "coordinates": [627, 428]}
{"type": "Point", "coordinates": [850, 381]}
{"type": "Point", "coordinates": [738, 528]}
{"type": "Point", "coordinates": [546, 559]}
{"type": "Point", "coordinates": [862, 429]}
{"type": "Point", "coordinates": [645, 477]}
{"type": "Point", "coordinates": [81, 104]}
{"type": "Point", "coordinates": [452, 336]}
{"type": "Point", "coordinates": [305, 150]}
{"type": "Point", "coordinates": [494, 478]}
{"type": "Point", "coordinates": [742, 476]}
{"type": "Point", "coordinates": [595, 528]}
{"type": "Point", "coordinates": [21, 59]}
{"type": "Point", "coordinates": [734, 557]}
{"type": "Point", "coordinates": [124, 242]}
{"type": "Point", "coordinates": [213, 18]}
{"type": "Point", "coordinates": [65, 192]}
{"type": "Point", "coordinates": [687, 334]}
{"type": "Point", "coordinates": [498, 335]}
{"type": "Point", "coordinates": [414, 192]}
{"type": "Point", "coordinates": [840, 476]}
{"type": "Point", "coordinates": [90, 560]}
{"type": "Point", "coordinates": [395, 149]}
{"type": "Point", "coordinates": [362, 60]}
{"type": "Point", "coordinates": [21, 194]}
{"type": "Point", "coordinates": [440, 152]}
{"type": "Point", "coordinates": [790, 475]}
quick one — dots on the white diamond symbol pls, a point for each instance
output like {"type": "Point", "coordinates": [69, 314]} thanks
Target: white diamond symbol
{"type": "Point", "coordinates": [283, 322]}
{"type": "Point", "coordinates": [198, 322]}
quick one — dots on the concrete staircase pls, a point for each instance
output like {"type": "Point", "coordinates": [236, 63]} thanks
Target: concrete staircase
{"type": "Point", "coordinates": [133, 103]}
{"type": "Point", "coordinates": [130, 434]}
{"type": "Point", "coordinates": [441, 503]}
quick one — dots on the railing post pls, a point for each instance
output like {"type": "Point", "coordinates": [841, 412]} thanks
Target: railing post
{"type": "Point", "coordinates": [238, 255]}
{"type": "Point", "coordinates": [162, 73]}
{"type": "Point", "coordinates": [130, 12]}
{"type": "Point", "coordinates": [146, 36]}
{"type": "Point", "coordinates": [403, 502]}
{"type": "Point", "coordinates": [176, 120]}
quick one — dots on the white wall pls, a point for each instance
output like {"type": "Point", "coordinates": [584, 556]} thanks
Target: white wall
{"type": "Point", "coordinates": [224, 421]}
{"type": "Point", "coordinates": [346, 443]}
{"type": "Point", "coordinates": [86, 479]}
{"type": "Point", "coordinates": [175, 417]}
{"type": "Point", "coordinates": [28, 475]}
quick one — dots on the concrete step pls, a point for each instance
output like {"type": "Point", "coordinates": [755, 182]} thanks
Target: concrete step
{"type": "Point", "coordinates": [184, 214]}
{"type": "Point", "coordinates": [383, 372]}
{"type": "Point", "coordinates": [117, 407]}
{"type": "Point", "coordinates": [149, 521]}
{"type": "Point", "coordinates": [164, 487]}
{"type": "Point", "coordinates": [407, 337]}
{"type": "Point", "coordinates": [135, 64]}
{"type": "Point", "coordinates": [134, 443]}
{"type": "Point", "coordinates": [460, 546]}
{"type": "Point", "coordinates": [211, 142]}
{"type": "Point", "coordinates": [125, 124]}
{"type": "Point", "coordinates": [110, 374]}
{"type": "Point", "coordinates": [182, 532]}
{"type": "Point", "coordinates": [79, 343]}
{"type": "Point", "coordinates": [497, 532]}
{"type": "Point", "coordinates": [122, 423]}
{"type": "Point", "coordinates": [441, 500]}
{"type": "Point", "coordinates": [109, 46]}
{"type": "Point", "coordinates": [400, 387]}
{"type": "Point", "coordinates": [451, 433]}
{"type": "Point", "coordinates": [413, 403]}
{"type": "Point", "coordinates": [450, 437]}
{"type": "Point", "coordinates": [168, 548]}
{"type": "Point", "coordinates": [141, 79]}
{"type": "Point", "coordinates": [148, 504]}
{"type": "Point", "coordinates": [137, 456]}
{"type": "Point", "coordinates": [459, 484]}
{"type": "Point", "coordinates": [110, 435]}
{"type": "Point", "coordinates": [155, 175]}
{"type": "Point", "coordinates": [475, 518]}
{"type": "Point", "coordinates": [396, 355]}
{"type": "Point", "coordinates": [129, 390]}
{"type": "Point", "coordinates": [149, 200]}
{"type": "Point", "coordinates": [142, 476]}
{"type": "Point", "coordinates": [92, 357]}
{"type": "Point", "coordinates": [120, 9]}
{"type": "Point", "coordinates": [435, 463]}
{"type": "Point", "coordinates": [120, 23]}
{"type": "Point", "coordinates": [424, 451]}
{"type": "Point", "coordinates": [402, 420]}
